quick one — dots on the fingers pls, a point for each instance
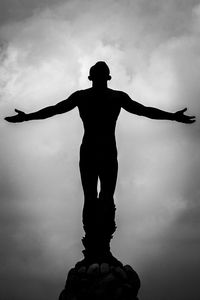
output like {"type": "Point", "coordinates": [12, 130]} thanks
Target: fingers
{"type": "Point", "coordinates": [14, 119]}
{"type": "Point", "coordinates": [184, 118]}
{"type": "Point", "coordinates": [183, 110]}
{"type": "Point", "coordinates": [9, 119]}
{"type": "Point", "coordinates": [189, 121]}
{"type": "Point", "coordinates": [192, 119]}
{"type": "Point", "coordinates": [18, 111]}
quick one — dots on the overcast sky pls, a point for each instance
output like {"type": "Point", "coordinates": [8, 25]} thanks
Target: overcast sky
{"type": "Point", "coordinates": [153, 51]}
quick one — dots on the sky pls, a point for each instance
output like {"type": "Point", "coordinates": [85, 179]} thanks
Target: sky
{"type": "Point", "coordinates": [153, 50]}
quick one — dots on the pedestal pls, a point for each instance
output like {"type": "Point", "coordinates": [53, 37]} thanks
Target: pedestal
{"type": "Point", "coordinates": [101, 282]}
{"type": "Point", "coordinates": [100, 276]}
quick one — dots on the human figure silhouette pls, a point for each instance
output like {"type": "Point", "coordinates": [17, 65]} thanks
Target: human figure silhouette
{"type": "Point", "coordinates": [99, 108]}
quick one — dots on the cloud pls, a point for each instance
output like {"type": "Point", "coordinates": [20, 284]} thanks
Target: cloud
{"type": "Point", "coordinates": [47, 48]}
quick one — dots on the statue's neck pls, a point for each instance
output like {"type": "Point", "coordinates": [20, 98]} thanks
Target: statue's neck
{"type": "Point", "coordinates": [99, 86]}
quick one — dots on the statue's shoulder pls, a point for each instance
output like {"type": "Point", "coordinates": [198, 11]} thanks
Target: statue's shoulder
{"type": "Point", "coordinates": [84, 92]}
{"type": "Point", "coordinates": [82, 96]}
{"type": "Point", "coordinates": [117, 94]}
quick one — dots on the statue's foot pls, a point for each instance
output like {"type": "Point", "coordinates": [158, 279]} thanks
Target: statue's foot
{"type": "Point", "coordinates": [113, 261]}
{"type": "Point", "coordinates": [82, 263]}
{"type": "Point", "coordinates": [98, 258]}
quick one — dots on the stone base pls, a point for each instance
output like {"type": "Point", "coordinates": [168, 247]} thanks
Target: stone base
{"type": "Point", "coordinates": [101, 282]}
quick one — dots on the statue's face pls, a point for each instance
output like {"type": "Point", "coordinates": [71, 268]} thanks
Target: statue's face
{"type": "Point", "coordinates": [100, 77]}
{"type": "Point", "coordinates": [99, 73]}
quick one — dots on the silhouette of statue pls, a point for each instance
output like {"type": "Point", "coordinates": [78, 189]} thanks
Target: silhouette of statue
{"type": "Point", "coordinates": [99, 108]}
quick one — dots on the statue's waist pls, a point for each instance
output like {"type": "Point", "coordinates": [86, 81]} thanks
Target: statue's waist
{"type": "Point", "coordinates": [99, 144]}
{"type": "Point", "coordinates": [101, 137]}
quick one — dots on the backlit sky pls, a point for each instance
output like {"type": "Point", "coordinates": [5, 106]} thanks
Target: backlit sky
{"type": "Point", "coordinates": [153, 51]}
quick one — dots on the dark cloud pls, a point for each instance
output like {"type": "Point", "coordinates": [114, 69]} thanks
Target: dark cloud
{"type": "Point", "coordinates": [19, 10]}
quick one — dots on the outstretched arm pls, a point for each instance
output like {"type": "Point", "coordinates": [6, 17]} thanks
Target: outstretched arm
{"type": "Point", "coordinates": [47, 112]}
{"type": "Point", "coordinates": [154, 113]}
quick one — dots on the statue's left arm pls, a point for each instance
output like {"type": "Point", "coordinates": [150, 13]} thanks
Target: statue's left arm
{"type": "Point", "coordinates": [47, 112]}
{"type": "Point", "coordinates": [154, 113]}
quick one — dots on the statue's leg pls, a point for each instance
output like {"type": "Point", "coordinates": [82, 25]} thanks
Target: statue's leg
{"type": "Point", "coordinates": [89, 178]}
{"type": "Point", "coordinates": [98, 214]}
{"type": "Point", "coordinates": [104, 225]}
{"type": "Point", "coordinates": [108, 170]}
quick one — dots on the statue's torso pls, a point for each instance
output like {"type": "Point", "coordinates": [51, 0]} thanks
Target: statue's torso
{"type": "Point", "coordinates": [99, 111]}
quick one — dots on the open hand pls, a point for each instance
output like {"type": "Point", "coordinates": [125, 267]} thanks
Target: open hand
{"type": "Point", "coordinates": [20, 117]}
{"type": "Point", "coordinates": [180, 117]}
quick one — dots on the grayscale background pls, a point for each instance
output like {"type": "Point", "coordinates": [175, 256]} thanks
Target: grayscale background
{"type": "Point", "coordinates": [153, 51]}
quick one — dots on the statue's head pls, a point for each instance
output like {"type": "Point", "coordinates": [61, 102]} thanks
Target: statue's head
{"type": "Point", "coordinates": [99, 72]}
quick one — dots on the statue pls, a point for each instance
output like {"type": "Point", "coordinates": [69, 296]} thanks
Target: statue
{"type": "Point", "coordinates": [99, 108]}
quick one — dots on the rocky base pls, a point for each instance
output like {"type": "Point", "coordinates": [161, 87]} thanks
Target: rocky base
{"type": "Point", "coordinates": [101, 281]}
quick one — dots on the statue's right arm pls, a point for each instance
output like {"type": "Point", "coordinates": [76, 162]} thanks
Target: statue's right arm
{"type": "Point", "coordinates": [47, 112]}
{"type": "Point", "coordinates": [154, 113]}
